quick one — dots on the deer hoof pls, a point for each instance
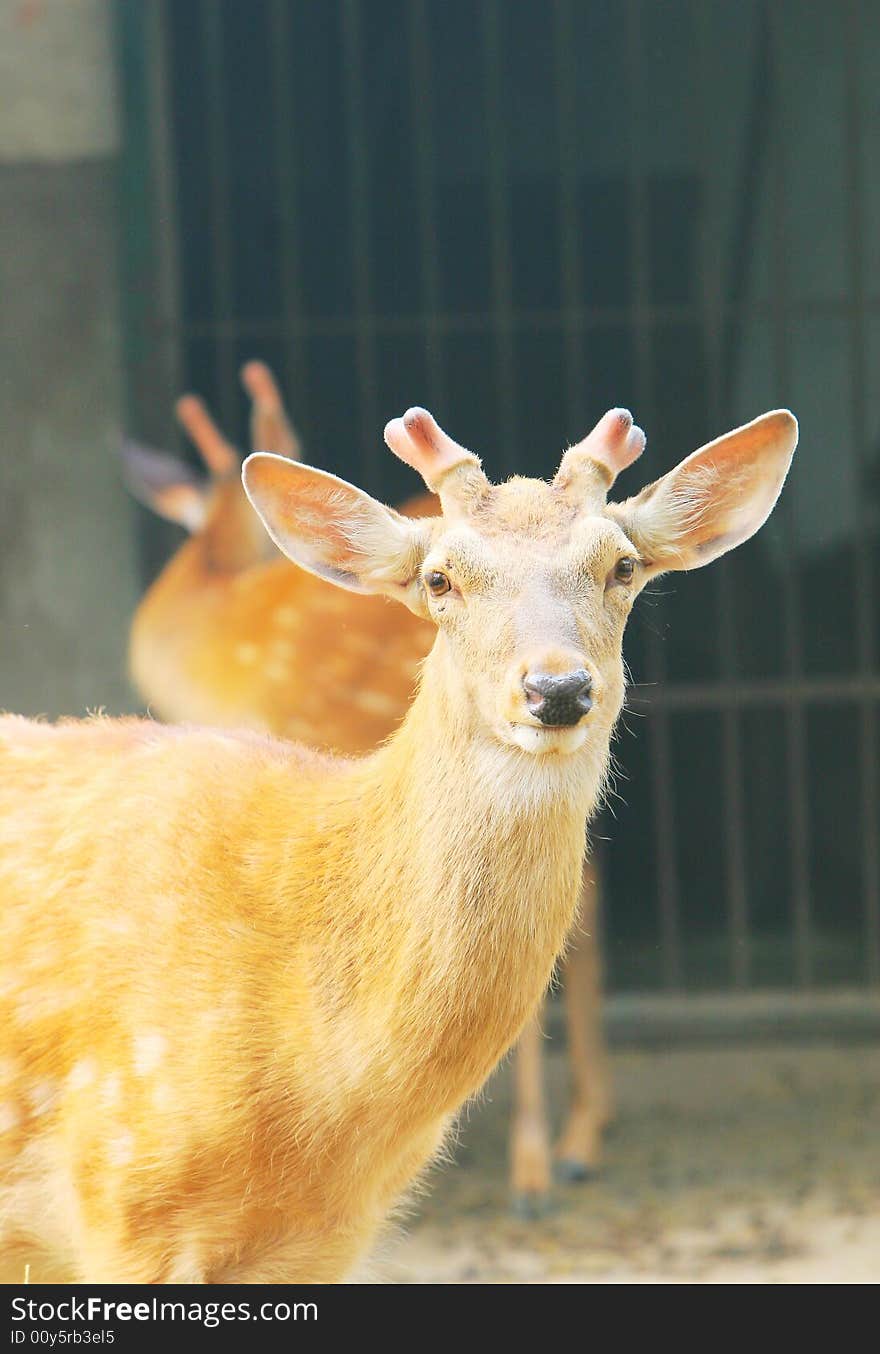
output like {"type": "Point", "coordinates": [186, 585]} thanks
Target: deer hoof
{"type": "Point", "coordinates": [568, 1171]}
{"type": "Point", "coordinates": [530, 1207]}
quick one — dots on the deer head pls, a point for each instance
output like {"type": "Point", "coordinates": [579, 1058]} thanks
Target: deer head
{"type": "Point", "coordinates": [529, 584]}
{"type": "Point", "coordinates": [213, 506]}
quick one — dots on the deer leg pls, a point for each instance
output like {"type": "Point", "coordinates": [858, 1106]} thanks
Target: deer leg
{"type": "Point", "coordinates": [579, 1149]}
{"type": "Point", "coordinates": [530, 1138]}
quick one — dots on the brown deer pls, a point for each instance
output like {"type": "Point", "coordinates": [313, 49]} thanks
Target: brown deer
{"type": "Point", "coordinates": [232, 634]}
{"type": "Point", "coordinates": [246, 986]}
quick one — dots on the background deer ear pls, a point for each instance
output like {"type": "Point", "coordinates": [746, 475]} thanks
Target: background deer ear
{"type": "Point", "coordinates": [336, 531]}
{"type": "Point", "coordinates": [166, 485]}
{"type": "Point", "coordinates": [715, 499]}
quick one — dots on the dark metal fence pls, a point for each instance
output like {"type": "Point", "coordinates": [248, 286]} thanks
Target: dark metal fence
{"type": "Point", "coordinates": [520, 214]}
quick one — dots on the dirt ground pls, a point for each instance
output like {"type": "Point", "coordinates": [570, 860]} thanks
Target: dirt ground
{"type": "Point", "coordinates": [725, 1165]}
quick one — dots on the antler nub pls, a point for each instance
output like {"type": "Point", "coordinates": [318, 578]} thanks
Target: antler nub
{"type": "Point", "coordinates": [613, 444]}
{"type": "Point", "coordinates": [271, 429]}
{"type": "Point", "coordinates": [616, 441]}
{"type": "Point", "coordinates": [219, 456]}
{"type": "Point", "coordinates": [420, 442]}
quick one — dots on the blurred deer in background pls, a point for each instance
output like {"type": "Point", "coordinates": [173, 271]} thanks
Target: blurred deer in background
{"type": "Point", "coordinates": [244, 986]}
{"type": "Point", "coordinates": [232, 634]}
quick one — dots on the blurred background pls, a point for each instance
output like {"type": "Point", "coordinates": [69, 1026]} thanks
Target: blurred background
{"type": "Point", "coordinates": [517, 214]}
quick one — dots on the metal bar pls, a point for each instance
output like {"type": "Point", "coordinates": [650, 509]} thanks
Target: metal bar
{"type": "Point", "coordinates": [365, 332]}
{"type": "Point", "coordinates": [662, 780]}
{"type": "Point", "coordinates": [571, 262]}
{"type": "Point", "coordinates": [283, 87]}
{"type": "Point", "coordinates": [421, 89]}
{"type": "Point", "coordinates": [502, 267]}
{"type": "Point", "coordinates": [226, 331]}
{"type": "Point", "coordinates": [796, 737]}
{"type": "Point", "coordinates": [165, 221]}
{"type": "Point", "coordinates": [713, 337]}
{"type": "Point", "coordinates": [149, 248]}
{"type": "Point", "coordinates": [770, 693]}
{"type": "Point", "coordinates": [529, 320]}
{"type": "Point", "coordinates": [863, 570]}
{"type": "Point", "coordinates": [756, 145]}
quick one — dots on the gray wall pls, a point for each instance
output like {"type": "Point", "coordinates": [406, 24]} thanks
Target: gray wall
{"type": "Point", "coordinates": [67, 562]}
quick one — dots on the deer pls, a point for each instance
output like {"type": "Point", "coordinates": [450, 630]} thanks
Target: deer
{"type": "Point", "coordinates": [246, 985]}
{"type": "Point", "coordinates": [232, 634]}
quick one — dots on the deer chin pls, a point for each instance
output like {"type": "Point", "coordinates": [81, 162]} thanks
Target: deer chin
{"type": "Point", "coordinates": [548, 741]}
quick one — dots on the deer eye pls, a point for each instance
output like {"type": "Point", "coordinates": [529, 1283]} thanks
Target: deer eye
{"type": "Point", "coordinates": [624, 569]}
{"type": "Point", "coordinates": [437, 583]}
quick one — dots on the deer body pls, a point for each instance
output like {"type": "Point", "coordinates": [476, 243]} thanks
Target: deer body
{"type": "Point", "coordinates": [328, 1012]}
{"type": "Point", "coordinates": [246, 985]}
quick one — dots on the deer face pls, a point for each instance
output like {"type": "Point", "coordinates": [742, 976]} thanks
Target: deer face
{"type": "Point", "coordinates": [530, 594]}
{"type": "Point", "coordinates": [529, 584]}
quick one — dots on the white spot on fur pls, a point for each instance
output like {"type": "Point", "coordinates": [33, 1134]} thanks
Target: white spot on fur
{"type": "Point", "coordinates": [376, 703]}
{"type": "Point", "coordinates": [358, 642]}
{"type": "Point", "coordinates": [187, 1267]}
{"type": "Point", "coordinates": [120, 1150]}
{"type": "Point", "coordinates": [168, 907]}
{"type": "Point", "coordinates": [46, 957]}
{"type": "Point", "coordinates": [9, 1118]}
{"type": "Point", "coordinates": [277, 672]}
{"type": "Point", "coordinates": [115, 924]}
{"type": "Point", "coordinates": [282, 649]}
{"type": "Point", "coordinates": [111, 1089]}
{"type": "Point", "coordinates": [246, 654]}
{"type": "Point", "coordinates": [149, 1050]}
{"type": "Point", "coordinates": [82, 1075]}
{"type": "Point", "coordinates": [42, 1004]}
{"type": "Point", "coordinates": [41, 1097]}
{"type": "Point", "coordinates": [161, 1097]}
{"type": "Point", "coordinates": [287, 617]}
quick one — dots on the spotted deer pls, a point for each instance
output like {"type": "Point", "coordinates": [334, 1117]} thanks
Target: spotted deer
{"type": "Point", "coordinates": [232, 634]}
{"type": "Point", "coordinates": [245, 985]}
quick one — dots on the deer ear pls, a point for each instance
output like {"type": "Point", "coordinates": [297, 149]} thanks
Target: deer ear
{"type": "Point", "coordinates": [166, 485]}
{"type": "Point", "coordinates": [715, 499]}
{"type": "Point", "coordinates": [336, 531]}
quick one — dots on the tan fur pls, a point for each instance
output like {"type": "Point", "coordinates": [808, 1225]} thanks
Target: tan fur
{"type": "Point", "coordinates": [245, 986]}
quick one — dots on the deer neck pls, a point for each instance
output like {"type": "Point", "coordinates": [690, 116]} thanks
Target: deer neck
{"type": "Point", "coordinates": [488, 846]}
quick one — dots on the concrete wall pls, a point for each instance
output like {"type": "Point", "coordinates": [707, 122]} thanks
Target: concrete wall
{"type": "Point", "coordinates": [67, 558]}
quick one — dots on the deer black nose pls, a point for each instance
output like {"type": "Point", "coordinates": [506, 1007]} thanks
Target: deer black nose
{"type": "Point", "coordinates": [558, 700]}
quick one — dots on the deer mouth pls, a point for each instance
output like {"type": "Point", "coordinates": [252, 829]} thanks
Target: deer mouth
{"type": "Point", "coordinates": [560, 740]}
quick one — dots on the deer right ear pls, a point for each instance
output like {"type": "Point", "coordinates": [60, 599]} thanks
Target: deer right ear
{"type": "Point", "coordinates": [715, 499]}
{"type": "Point", "coordinates": [166, 485]}
{"type": "Point", "coordinates": [336, 531]}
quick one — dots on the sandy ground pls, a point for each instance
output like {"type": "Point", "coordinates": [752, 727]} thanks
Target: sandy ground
{"type": "Point", "coordinates": [725, 1165]}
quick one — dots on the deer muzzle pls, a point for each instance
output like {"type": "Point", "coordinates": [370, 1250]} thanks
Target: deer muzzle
{"type": "Point", "coordinates": [559, 701]}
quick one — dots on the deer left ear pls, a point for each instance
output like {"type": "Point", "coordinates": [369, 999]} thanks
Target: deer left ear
{"type": "Point", "coordinates": [166, 485]}
{"type": "Point", "coordinates": [337, 531]}
{"type": "Point", "coordinates": [715, 499]}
